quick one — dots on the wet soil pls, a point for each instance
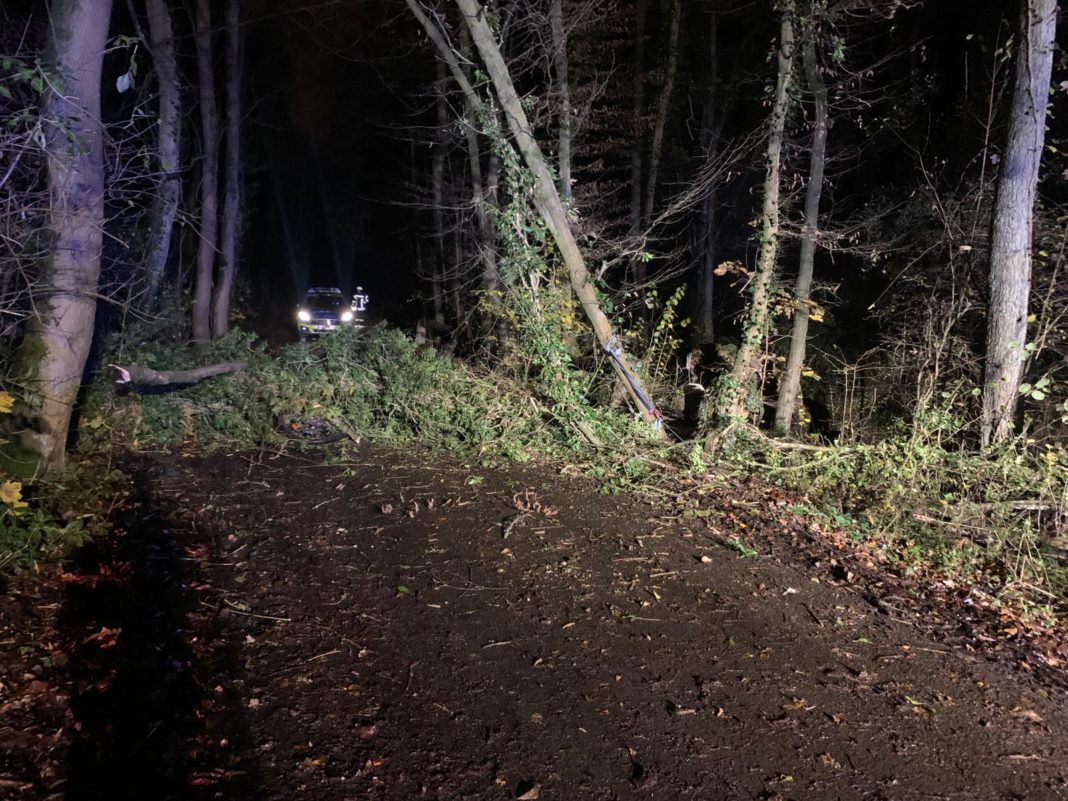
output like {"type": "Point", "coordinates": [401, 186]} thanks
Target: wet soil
{"type": "Point", "coordinates": [407, 625]}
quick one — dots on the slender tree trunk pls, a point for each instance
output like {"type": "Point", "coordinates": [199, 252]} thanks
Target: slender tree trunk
{"type": "Point", "coordinates": [791, 380]}
{"type": "Point", "coordinates": [437, 179]}
{"type": "Point", "coordinates": [165, 204]}
{"type": "Point", "coordinates": [54, 352]}
{"type": "Point", "coordinates": [563, 93]}
{"type": "Point", "coordinates": [705, 327]}
{"type": "Point", "coordinates": [547, 199]}
{"type": "Point", "coordinates": [662, 107]}
{"type": "Point", "coordinates": [711, 129]}
{"type": "Point", "coordinates": [483, 195]}
{"type": "Point", "coordinates": [209, 178]}
{"type": "Point", "coordinates": [231, 216]}
{"type": "Point", "coordinates": [637, 111]}
{"type": "Point", "coordinates": [1010, 247]}
{"type": "Point", "coordinates": [738, 400]}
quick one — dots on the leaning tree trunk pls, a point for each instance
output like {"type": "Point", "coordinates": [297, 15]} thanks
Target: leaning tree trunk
{"type": "Point", "coordinates": [1010, 247]}
{"type": "Point", "coordinates": [209, 178]}
{"type": "Point", "coordinates": [791, 380]}
{"type": "Point", "coordinates": [547, 199]}
{"type": "Point", "coordinates": [55, 350]}
{"type": "Point", "coordinates": [231, 216]}
{"type": "Point", "coordinates": [563, 93]}
{"type": "Point", "coordinates": [737, 400]}
{"type": "Point", "coordinates": [165, 205]}
{"type": "Point", "coordinates": [662, 107]}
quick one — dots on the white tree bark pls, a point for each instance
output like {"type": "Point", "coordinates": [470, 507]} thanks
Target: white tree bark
{"type": "Point", "coordinates": [165, 205]}
{"type": "Point", "coordinates": [54, 353]}
{"type": "Point", "coordinates": [791, 381]}
{"type": "Point", "coordinates": [1010, 247]}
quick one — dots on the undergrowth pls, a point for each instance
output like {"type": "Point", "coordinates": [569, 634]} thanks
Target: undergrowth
{"type": "Point", "coordinates": [50, 516]}
{"type": "Point", "coordinates": [990, 518]}
{"type": "Point", "coordinates": [379, 385]}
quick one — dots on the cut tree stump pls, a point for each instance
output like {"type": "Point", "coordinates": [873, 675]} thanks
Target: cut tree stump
{"type": "Point", "coordinates": [136, 376]}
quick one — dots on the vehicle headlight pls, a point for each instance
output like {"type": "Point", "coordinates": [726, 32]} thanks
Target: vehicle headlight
{"type": "Point", "coordinates": [346, 316]}
{"type": "Point", "coordinates": [304, 316]}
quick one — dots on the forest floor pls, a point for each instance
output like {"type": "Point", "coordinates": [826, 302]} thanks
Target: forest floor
{"type": "Point", "coordinates": [409, 625]}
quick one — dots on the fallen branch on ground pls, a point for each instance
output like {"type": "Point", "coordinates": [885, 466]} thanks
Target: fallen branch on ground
{"type": "Point", "coordinates": [137, 376]}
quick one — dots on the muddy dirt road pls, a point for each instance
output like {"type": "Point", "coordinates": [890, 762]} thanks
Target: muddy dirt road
{"type": "Point", "coordinates": [408, 627]}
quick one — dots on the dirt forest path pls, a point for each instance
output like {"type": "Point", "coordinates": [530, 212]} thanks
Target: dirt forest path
{"type": "Point", "coordinates": [405, 627]}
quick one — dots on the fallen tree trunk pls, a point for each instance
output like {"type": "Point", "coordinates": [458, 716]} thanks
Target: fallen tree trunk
{"type": "Point", "coordinates": [136, 376]}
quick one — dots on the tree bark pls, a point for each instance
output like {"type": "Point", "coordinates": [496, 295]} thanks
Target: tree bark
{"type": "Point", "coordinates": [1010, 248]}
{"type": "Point", "coordinates": [483, 196]}
{"type": "Point", "coordinates": [437, 178]}
{"type": "Point", "coordinates": [136, 376]}
{"type": "Point", "coordinates": [662, 107]}
{"type": "Point", "coordinates": [547, 199]}
{"type": "Point", "coordinates": [231, 216]}
{"type": "Point", "coordinates": [54, 352]}
{"type": "Point", "coordinates": [637, 110]}
{"type": "Point", "coordinates": [711, 130]}
{"type": "Point", "coordinates": [737, 400]}
{"type": "Point", "coordinates": [791, 380]}
{"type": "Point", "coordinates": [209, 178]}
{"type": "Point", "coordinates": [563, 93]}
{"type": "Point", "coordinates": [165, 204]}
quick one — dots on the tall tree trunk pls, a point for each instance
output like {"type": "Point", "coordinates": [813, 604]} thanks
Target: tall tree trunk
{"type": "Point", "coordinates": [662, 107]}
{"type": "Point", "coordinates": [165, 204]}
{"type": "Point", "coordinates": [791, 380]}
{"type": "Point", "coordinates": [1010, 247]}
{"type": "Point", "coordinates": [482, 196]}
{"type": "Point", "coordinates": [209, 178]}
{"type": "Point", "coordinates": [738, 400]}
{"type": "Point", "coordinates": [437, 179]}
{"type": "Point", "coordinates": [547, 199]}
{"type": "Point", "coordinates": [711, 130]}
{"type": "Point", "coordinates": [55, 350]}
{"type": "Point", "coordinates": [637, 111]}
{"type": "Point", "coordinates": [231, 216]}
{"type": "Point", "coordinates": [563, 93]}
